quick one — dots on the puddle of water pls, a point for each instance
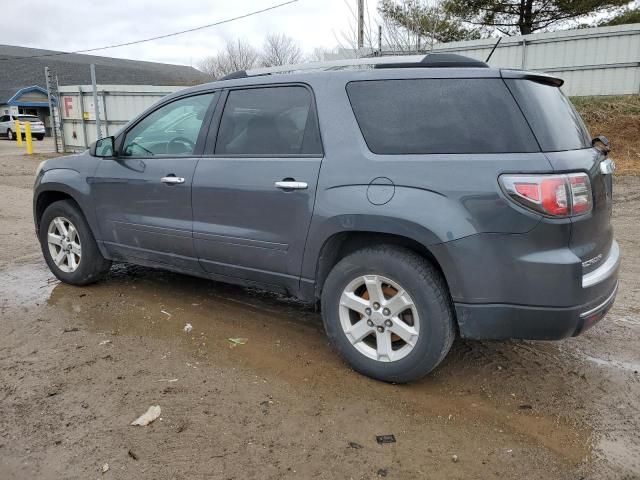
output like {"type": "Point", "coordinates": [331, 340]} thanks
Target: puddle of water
{"type": "Point", "coordinates": [633, 367]}
{"type": "Point", "coordinates": [27, 284]}
{"type": "Point", "coordinates": [634, 321]}
{"type": "Point", "coordinates": [621, 453]}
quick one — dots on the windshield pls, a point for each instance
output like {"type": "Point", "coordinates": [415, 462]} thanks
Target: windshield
{"type": "Point", "coordinates": [554, 121]}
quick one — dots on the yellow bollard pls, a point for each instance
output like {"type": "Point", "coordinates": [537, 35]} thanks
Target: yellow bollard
{"type": "Point", "coordinates": [27, 132]}
{"type": "Point", "coordinates": [18, 133]}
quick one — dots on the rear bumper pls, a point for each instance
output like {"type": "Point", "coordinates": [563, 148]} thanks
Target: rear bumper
{"type": "Point", "coordinates": [34, 131]}
{"type": "Point", "coordinates": [501, 289]}
{"type": "Point", "coordinates": [500, 321]}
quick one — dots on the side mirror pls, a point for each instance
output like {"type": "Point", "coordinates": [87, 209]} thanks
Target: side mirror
{"type": "Point", "coordinates": [601, 143]}
{"type": "Point", "coordinates": [102, 148]}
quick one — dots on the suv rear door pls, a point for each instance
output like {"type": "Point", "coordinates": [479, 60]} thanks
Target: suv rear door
{"type": "Point", "coordinates": [143, 197]}
{"type": "Point", "coordinates": [253, 193]}
{"type": "Point", "coordinates": [567, 144]}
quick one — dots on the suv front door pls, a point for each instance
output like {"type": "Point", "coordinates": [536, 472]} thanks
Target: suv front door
{"type": "Point", "coordinates": [143, 197]}
{"type": "Point", "coordinates": [253, 195]}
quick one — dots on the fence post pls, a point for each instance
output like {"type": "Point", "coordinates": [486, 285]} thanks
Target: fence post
{"type": "Point", "coordinates": [27, 134]}
{"type": "Point", "coordinates": [84, 123]}
{"type": "Point", "coordinates": [18, 133]}
{"type": "Point", "coordinates": [96, 106]}
{"type": "Point", "coordinates": [106, 119]}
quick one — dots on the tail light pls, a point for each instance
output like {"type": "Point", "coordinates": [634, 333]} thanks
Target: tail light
{"type": "Point", "coordinates": [552, 195]}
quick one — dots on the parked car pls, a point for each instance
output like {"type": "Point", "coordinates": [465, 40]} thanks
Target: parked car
{"type": "Point", "coordinates": [412, 201]}
{"type": "Point", "coordinates": [8, 126]}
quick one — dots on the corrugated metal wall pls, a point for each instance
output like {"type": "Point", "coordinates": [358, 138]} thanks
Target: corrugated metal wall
{"type": "Point", "coordinates": [117, 105]}
{"type": "Point", "coordinates": [592, 61]}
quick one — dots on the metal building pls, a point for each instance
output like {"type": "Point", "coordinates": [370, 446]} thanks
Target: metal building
{"type": "Point", "coordinates": [117, 105]}
{"type": "Point", "coordinates": [592, 61]}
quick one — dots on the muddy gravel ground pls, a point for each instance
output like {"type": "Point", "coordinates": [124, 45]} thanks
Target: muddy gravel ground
{"type": "Point", "coordinates": [78, 365]}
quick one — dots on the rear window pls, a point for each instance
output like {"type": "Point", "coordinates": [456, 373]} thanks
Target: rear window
{"type": "Point", "coordinates": [554, 121]}
{"type": "Point", "coordinates": [422, 116]}
{"type": "Point", "coordinates": [28, 118]}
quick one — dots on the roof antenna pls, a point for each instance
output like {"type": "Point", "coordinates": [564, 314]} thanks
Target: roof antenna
{"type": "Point", "coordinates": [493, 50]}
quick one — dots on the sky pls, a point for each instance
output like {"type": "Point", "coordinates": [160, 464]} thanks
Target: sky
{"type": "Point", "coordinates": [80, 24]}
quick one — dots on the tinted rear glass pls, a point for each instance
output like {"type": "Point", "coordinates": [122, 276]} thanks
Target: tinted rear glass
{"type": "Point", "coordinates": [28, 118]}
{"type": "Point", "coordinates": [439, 116]}
{"type": "Point", "coordinates": [554, 121]}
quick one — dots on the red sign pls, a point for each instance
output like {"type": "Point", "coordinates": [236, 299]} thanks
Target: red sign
{"type": "Point", "coordinates": [68, 105]}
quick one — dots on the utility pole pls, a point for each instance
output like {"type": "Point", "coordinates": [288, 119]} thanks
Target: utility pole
{"type": "Point", "coordinates": [360, 24]}
{"type": "Point", "coordinates": [379, 40]}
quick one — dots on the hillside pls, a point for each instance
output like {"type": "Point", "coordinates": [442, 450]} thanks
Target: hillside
{"type": "Point", "coordinates": [618, 118]}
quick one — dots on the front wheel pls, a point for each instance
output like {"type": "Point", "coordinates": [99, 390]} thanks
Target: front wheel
{"type": "Point", "coordinates": [10, 135]}
{"type": "Point", "coordinates": [388, 313]}
{"type": "Point", "coordinates": [68, 245]}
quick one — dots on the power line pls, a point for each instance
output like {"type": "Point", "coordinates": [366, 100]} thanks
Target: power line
{"type": "Point", "coordinates": [135, 42]}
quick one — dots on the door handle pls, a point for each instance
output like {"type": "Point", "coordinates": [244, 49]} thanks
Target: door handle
{"type": "Point", "coordinates": [172, 180]}
{"type": "Point", "coordinates": [291, 185]}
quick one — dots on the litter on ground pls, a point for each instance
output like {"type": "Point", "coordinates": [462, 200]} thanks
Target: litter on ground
{"type": "Point", "coordinates": [234, 342]}
{"type": "Point", "coordinates": [148, 417]}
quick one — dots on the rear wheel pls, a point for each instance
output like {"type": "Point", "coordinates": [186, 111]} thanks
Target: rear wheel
{"type": "Point", "coordinates": [40, 137]}
{"type": "Point", "coordinates": [68, 245]}
{"type": "Point", "coordinates": [10, 135]}
{"type": "Point", "coordinates": [387, 311]}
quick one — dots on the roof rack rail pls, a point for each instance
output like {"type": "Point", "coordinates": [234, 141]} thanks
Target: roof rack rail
{"type": "Point", "coordinates": [439, 60]}
{"type": "Point", "coordinates": [236, 74]}
{"type": "Point", "coordinates": [432, 60]}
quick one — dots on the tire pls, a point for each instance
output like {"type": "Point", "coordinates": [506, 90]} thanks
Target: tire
{"type": "Point", "coordinates": [40, 137]}
{"type": "Point", "coordinates": [10, 135]}
{"type": "Point", "coordinates": [430, 315]}
{"type": "Point", "coordinates": [90, 265]}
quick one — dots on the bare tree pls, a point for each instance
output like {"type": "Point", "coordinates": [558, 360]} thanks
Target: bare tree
{"type": "Point", "coordinates": [279, 49]}
{"type": "Point", "coordinates": [348, 39]}
{"type": "Point", "coordinates": [321, 54]}
{"type": "Point", "coordinates": [237, 55]}
{"type": "Point", "coordinates": [416, 25]}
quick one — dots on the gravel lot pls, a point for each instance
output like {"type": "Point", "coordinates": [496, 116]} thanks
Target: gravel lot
{"type": "Point", "coordinates": [78, 365]}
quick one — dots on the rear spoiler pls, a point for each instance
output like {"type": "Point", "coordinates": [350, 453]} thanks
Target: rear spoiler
{"type": "Point", "coordinates": [534, 76]}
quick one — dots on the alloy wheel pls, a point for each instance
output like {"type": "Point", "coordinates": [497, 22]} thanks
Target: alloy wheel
{"type": "Point", "coordinates": [64, 244]}
{"type": "Point", "coordinates": [379, 318]}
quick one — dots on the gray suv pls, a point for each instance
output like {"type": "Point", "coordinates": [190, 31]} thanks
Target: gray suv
{"type": "Point", "coordinates": [413, 199]}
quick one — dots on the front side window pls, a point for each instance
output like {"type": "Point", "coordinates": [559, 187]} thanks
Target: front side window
{"type": "Point", "coordinates": [269, 121]}
{"type": "Point", "coordinates": [439, 116]}
{"type": "Point", "coordinates": [170, 130]}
